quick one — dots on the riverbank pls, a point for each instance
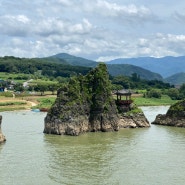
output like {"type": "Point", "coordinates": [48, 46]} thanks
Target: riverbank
{"type": "Point", "coordinates": [25, 103]}
{"type": "Point", "coordinates": [45, 102]}
{"type": "Point", "coordinates": [164, 100]}
{"type": "Point", "coordinates": [10, 104]}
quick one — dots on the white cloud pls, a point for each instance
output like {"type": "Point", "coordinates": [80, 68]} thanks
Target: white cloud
{"type": "Point", "coordinates": [22, 18]}
{"type": "Point", "coordinates": [158, 45]}
{"type": "Point", "coordinates": [113, 9]}
{"type": "Point", "coordinates": [100, 29]}
{"type": "Point", "coordinates": [81, 28]}
{"type": "Point", "coordinates": [65, 2]}
{"type": "Point", "coordinates": [123, 13]}
{"type": "Point", "coordinates": [11, 25]}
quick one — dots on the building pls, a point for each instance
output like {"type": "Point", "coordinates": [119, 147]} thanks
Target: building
{"type": "Point", "coordinates": [123, 100]}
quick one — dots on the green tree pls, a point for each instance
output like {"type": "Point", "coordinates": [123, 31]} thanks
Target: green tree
{"type": "Point", "coordinates": [19, 87]}
{"type": "Point", "coordinates": [182, 91]}
{"type": "Point", "coordinates": [122, 80]}
{"type": "Point", "coordinates": [154, 93]}
{"type": "Point", "coordinates": [53, 87]}
{"type": "Point", "coordinates": [41, 88]}
{"type": "Point", "coordinates": [173, 93]}
{"type": "Point", "coordinates": [135, 77]}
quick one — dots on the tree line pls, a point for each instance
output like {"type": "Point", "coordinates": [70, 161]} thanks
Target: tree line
{"type": "Point", "coordinates": [12, 64]}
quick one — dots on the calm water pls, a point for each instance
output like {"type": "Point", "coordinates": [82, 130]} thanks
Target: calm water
{"type": "Point", "coordinates": [150, 156]}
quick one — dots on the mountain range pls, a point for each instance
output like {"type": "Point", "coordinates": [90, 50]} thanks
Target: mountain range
{"type": "Point", "coordinates": [165, 66]}
{"type": "Point", "coordinates": [114, 70]}
{"type": "Point", "coordinates": [73, 60]}
{"type": "Point", "coordinates": [176, 79]}
{"type": "Point", "coordinates": [169, 69]}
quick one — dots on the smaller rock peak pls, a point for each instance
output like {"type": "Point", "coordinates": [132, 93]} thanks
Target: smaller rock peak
{"type": "Point", "coordinates": [2, 137]}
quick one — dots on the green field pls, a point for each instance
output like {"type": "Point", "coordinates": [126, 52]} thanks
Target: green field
{"type": "Point", "coordinates": [164, 100]}
{"type": "Point", "coordinates": [45, 102]}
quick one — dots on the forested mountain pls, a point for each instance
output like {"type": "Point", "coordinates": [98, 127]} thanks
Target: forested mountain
{"type": "Point", "coordinates": [73, 60]}
{"type": "Point", "coordinates": [176, 79]}
{"type": "Point", "coordinates": [128, 70]}
{"type": "Point", "coordinates": [12, 64]}
{"type": "Point", "coordinates": [123, 76]}
{"type": "Point", "coordinates": [114, 70]}
{"type": "Point", "coordinates": [165, 66]}
{"type": "Point", "coordinates": [65, 65]}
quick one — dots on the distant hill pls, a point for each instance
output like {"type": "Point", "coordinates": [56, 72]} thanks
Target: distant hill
{"type": "Point", "coordinates": [45, 67]}
{"type": "Point", "coordinates": [176, 79]}
{"type": "Point", "coordinates": [128, 70]}
{"type": "Point", "coordinates": [73, 60]}
{"type": "Point", "coordinates": [165, 66]}
{"type": "Point", "coordinates": [114, 70]}
{"type": "Point", "coordinates": [54, 60]}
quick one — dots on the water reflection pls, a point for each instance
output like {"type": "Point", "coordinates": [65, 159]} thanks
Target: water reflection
{"type": "Point", "coordinates": [152, 155]}
{"type": "Point", "coordinates": [80, 159]}
{"type": "Point", "coordinates": [1, 146]}
{"type": "Point", "coordinates": [90, 157]}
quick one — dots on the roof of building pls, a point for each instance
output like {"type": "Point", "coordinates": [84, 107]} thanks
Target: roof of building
{"type": "Point", "coordinates": [123, 92]}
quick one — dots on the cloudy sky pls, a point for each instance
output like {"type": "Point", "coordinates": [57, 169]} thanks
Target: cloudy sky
{"type": "Point", "coordinates": [99, 30]}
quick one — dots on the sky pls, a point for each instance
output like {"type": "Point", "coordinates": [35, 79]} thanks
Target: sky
{"type": "Point", "coordinates": [99, 30]}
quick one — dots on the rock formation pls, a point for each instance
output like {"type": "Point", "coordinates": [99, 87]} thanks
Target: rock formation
{"type": "Point", "coordinates": [86, 104]}
{"type": "Point", "coordinates": [2, 137]}
{"type": "Point", "coordinates": [175, 116]}
{"type": "Point", "coordinates": [136, 120]}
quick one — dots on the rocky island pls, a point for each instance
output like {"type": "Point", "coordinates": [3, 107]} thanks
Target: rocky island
{"type": "Point", "coordinates": [2, 137]}
{"type": "Point", "coordinates": [86, 104]}
{"type": "Point", "coordinates": [175, 116]}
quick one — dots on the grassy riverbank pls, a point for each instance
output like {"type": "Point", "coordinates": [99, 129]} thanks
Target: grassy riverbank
{"type": "Point", "coordinates": [164, 100]}
{"type": "Point", "coordinates": [45, 102]}
{"type": "Point", "coordinates": [26, 103]}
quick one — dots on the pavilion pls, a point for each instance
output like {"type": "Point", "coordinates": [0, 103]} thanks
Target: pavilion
{"type": "Point", "coordinates": [123, 97]}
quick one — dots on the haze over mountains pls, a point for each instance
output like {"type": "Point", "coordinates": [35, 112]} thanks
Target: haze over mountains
{"type": "Point", "coordinates": [147, 67]}
{"type": "Point", "coordinates": [165, 66]}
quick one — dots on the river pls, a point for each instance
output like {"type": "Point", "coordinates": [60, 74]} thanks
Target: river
{"type": "Point", "coordinates": [147, 156]}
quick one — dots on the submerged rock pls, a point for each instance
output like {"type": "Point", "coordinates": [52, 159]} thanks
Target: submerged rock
{"type": "Point", "coordinates": [86, 104]}
{"type": "Point", "coordinates": [2, 137]}
{"type": "Point", "coordinates": [175, 116]}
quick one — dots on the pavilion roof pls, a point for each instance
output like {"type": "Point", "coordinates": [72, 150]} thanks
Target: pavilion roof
{"type": "Point", "coordinates": [123, 92]}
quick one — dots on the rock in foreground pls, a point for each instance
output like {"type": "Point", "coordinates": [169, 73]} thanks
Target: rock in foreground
{"type": "Point", "coordinates": [2, 137]}
{"type": "Point", "coordinates": [175, 116]}
{"type": "Point", "coordinates": [84, 105]}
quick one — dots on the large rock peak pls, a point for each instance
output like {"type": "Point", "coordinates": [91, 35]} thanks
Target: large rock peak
{"type": "Point", "coordinates": [84, 105]}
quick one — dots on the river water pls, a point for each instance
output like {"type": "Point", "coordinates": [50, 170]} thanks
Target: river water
{"type": "Point", "coordinates": [147, 156]}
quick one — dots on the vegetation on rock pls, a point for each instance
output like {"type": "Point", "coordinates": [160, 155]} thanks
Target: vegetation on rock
{"type": "Point", "coordinates": [85, 104]}
{"type": "Point", "coordinates": [175, 116]}
{"type": "Point", "coordinates": [177, 109]}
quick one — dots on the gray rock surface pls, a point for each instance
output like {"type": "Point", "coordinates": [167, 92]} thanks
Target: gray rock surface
{"type": "Point", "coordinates": [2, 137]}
{"type": "Point", "coordinates": [175, 116]}
{"type": "Point", "coordinates": [133, 121]}
{"type": "Point", "coordinates": [86, 104]}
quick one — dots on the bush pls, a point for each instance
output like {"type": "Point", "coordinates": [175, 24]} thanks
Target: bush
{"type": "Point", "coordinates": [174, 94]}
{"type": "Point", "coordinates": [154, 93]}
